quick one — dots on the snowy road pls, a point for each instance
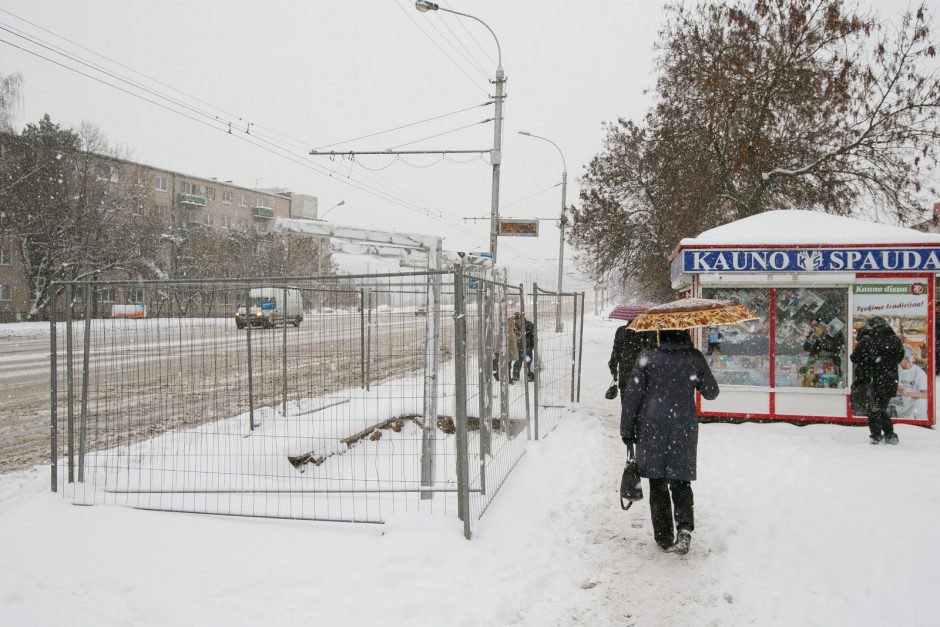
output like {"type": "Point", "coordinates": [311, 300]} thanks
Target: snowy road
{"type": "Point", "coordinates": [323, 352]}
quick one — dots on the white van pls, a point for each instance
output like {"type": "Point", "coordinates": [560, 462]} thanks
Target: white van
{"type": "Point", "coordinates": [269, 307]}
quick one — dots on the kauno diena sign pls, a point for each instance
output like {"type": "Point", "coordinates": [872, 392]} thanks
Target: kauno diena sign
{"type": "Point", "coordinates": [699, 260]}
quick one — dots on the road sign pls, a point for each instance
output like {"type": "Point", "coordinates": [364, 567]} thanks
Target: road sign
{"type": "Point", "coordinates": [519, 228]}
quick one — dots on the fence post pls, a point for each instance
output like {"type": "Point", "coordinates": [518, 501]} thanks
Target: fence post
{"type": "Point", "coordinates": [369, 343]}
{"type": "Point", "coordinates": [482, 372]}
{"type": "Point", "coordinates": [70, 379]}
{"type": "Point", "coordinates": [251, 398]}
{"type": "Point", "coordinates": [460, 402]}
{"type": "Point", "coordinates": [580, 348]}
{"type": "Point", "coordinates": [284, 358]}
{"type": "Point", "coordinates": [53, 395]}
{"type": "Point", "coordinates": [487, 390]}
{"type": "Point", "coordinates": [525, 365]}
{"type": "Point", "coordinates": [432, 351]}
{"type": "Point", "coordinates": [86, 353]}
{"type": "Point", "coordinates": [362, 336]}
{"type": "Point", "coordinates": [503, 363]}
{"type": "Point", "coordinates": [574, 341]}
{"type": "Point", "coordinates": [535, 354]}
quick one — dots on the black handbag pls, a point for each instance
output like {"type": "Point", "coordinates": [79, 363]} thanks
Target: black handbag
{"type": "Point", "coordinates": [611, 392]}
{"type": "Point", "coordinates": [630, 487]}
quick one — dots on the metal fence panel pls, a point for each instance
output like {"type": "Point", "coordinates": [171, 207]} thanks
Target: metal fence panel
{"type": "Point", "coordinates": [342, 398]}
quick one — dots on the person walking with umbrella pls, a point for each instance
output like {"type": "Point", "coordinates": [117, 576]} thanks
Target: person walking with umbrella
{"type": "Point", "coordinates": [659, 414]}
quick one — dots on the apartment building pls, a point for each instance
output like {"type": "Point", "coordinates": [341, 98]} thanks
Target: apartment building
{"type": "Point", "coordinates": [181, 202]}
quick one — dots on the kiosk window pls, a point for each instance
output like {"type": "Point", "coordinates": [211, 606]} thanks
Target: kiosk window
{"type": "Point", "coordinates": [740, 354]}
{"type": "Point", "coordinates": [809, 342]}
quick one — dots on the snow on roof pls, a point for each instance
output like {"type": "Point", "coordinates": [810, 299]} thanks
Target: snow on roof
{"type": "Point", "coordinates": [808, 228]}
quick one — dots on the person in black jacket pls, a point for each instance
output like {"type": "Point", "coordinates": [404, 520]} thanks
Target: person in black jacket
{"type": "Point", "coordinates": [659, 416]}
{"type": "Point", "coordinates": [875, 366]}
{"type": "Point", "coordinates": [627, 347]}
{"type": "Point", "coordinates": [526, 328]}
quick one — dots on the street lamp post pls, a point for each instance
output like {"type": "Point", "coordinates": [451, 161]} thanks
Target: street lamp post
{"type": "Point", "coordinates": [496, 155]}
{"type": "Point", "coordinates": [561, 223]}
{"type": "Point", "coordinates": [321, 240]}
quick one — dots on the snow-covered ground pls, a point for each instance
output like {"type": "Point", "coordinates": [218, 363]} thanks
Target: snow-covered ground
{"type": "Point", "coordinates": [795, 526]}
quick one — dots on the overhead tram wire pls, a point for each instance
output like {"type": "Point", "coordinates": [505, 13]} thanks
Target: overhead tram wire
{"type": "Point", "coordinates": [472, 62]}
{"type": "Point", "coordinates": [457, 38]}
{"type": "Point", "coordinates": [365, 187]}
{"type": "Point", "coordinates": [225, 126]}
{"type": "Point", "coordinates": [398, 128]}
{"type": "Point", "coordinates": [234, 117]}
{"type": "Point", "coordinates": [443, 52]}
{"type": "Point", "coordinates": [442, 134]}
{"type": "Point", "coordinates": [475, 40]}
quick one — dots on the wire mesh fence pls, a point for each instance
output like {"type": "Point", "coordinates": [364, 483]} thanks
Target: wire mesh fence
{"type": "Point", "coordinates": [341, 398]}
{"type": "Point", "coordinates": [559, 325]}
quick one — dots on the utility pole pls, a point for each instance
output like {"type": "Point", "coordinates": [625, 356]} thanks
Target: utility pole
{"type": "Point", "coordinates": [496, 159]}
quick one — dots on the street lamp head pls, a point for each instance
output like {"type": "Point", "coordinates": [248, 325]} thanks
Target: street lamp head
{"type": "Point", "coordinates": [424, 6]}
{"type": "Point", "coordinates": [525, 133]}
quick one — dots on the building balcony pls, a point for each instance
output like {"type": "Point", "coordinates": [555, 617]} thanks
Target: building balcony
{"type": "Point", "coordinates": [190, 199]}
{"type": "Point", "coordinates": [262, 212]}
{"type": "Point", "coordinates": [193, 225]}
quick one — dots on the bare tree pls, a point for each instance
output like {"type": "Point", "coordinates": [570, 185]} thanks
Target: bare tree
{"type": "Point", "coordinates": [770, 104]}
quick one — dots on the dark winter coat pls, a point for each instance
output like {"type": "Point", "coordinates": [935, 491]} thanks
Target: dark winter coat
{"type": "Point", "coordinates": [627, 347]}
{"type": "Point", "coordinates": [659, 407]}
{"type": "Point", "coordinates": [876, 357]}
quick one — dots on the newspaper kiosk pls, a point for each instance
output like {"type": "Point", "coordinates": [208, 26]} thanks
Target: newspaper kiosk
{"type": "Point", "coordinates": [814, 280]}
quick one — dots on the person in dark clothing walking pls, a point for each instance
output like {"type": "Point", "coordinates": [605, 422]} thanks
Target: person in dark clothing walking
{"type": "Point", "coordinates": [525, 329]}
{"type": "Point", "coordinates": [875, 366]}
{"type": "Point", "coordinates": [627, 347]}
{"type": "Point", "coordinates": [660, 418]}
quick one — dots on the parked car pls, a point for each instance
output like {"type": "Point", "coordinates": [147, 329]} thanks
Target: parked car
{"type": "Point", "coordinates": [269, 307]}
{"type": "Point", "coordinates": [421, 311]}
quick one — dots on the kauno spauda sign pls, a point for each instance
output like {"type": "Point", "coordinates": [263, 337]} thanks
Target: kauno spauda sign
{"type": "Point", "coordinates": [696, 261]}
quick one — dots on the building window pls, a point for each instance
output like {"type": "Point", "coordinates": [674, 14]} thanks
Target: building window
{"type": "Point", "coordinates": [106, 295]}
{"type": "Point", "coordinates": [106, 172]}
{"type": "Point", "coordinates": [161, 211]}
{"type": "Point", "coordinates": [135, 295]}
{"type": "Point", "coordinates": [809, 343]}
{"type": "Point", "coordinates": [186, 187]}
{"type": "Point", "coordinates": [6, 291]}
{"type": "Point", "coordinates": [159, 183]}
{"type": "Point", "coordinates": [242, 224]}
{"type": "Point", "coordinates": [261, 248]}
{"type": "Point", "coordinates": [191, 215]}
{"type": "Point", "coordinates": [139, 210]}
{"type": "Point", "coordinates": [740, 355]}
{"type": "Point", "coordinates": [6, 257]}
{"type": "Point", "coordinates": [210, 193]}
{"type": "Point", "coordinates": [227, 222]}
{"type": "Point", "coordinates": [227, 198]}
{"type": "Point", "coordinates": [261, 227]}
{"type": "Point", "coordinates": [209, 219]}
{"type": "Point", "coordinates": [243, 200]}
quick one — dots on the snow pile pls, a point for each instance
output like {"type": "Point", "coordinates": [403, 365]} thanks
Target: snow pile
{"type": "Point", "coordinates": [794, 227]}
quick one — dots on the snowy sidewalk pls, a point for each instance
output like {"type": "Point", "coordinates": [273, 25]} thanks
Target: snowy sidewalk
{"type": "Point", "coordinates": [795, 526]}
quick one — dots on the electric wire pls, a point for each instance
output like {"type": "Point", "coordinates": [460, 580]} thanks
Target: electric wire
{"type": "Point", "coordinates": [416, 141]}
{"type": "Point", "coordinates": [438, 46]}
{"type": "Point", "coordinates": [475, 40]}
{"type": "Point", "coordinates": [472, 62]}
{"type": "Point", "coordinates": [398, 128]}
{"type": "Point", "coordinates": [211, 121]}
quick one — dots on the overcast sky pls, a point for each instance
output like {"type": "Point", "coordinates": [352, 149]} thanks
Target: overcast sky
{"type": "Point", "coordinates": [313, 73]}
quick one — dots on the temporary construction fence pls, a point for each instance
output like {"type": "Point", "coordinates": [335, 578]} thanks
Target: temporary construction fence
{"type": "Point", "coordinates": [339, 398]}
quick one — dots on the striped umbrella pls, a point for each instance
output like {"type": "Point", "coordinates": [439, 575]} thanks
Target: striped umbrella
{"type": "Point", "coordinates": [629, 311]}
